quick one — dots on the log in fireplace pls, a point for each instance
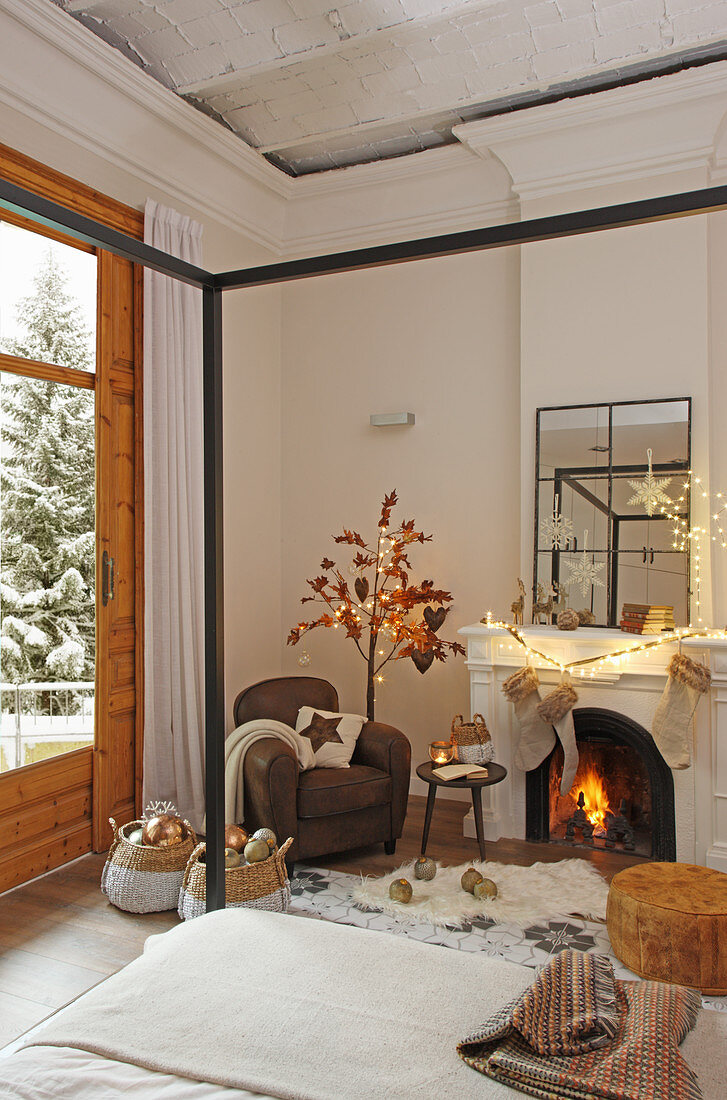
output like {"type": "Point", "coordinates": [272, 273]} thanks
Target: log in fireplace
{"type": "Point", "coordinates": [622, 798]}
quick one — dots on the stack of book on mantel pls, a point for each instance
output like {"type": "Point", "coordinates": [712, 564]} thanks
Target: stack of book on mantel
{"type": "Point", "coordinates": [647, 618]}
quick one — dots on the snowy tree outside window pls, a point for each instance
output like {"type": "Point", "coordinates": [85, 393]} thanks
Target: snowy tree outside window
{"type": "Point", "coordinates": [47, 489]}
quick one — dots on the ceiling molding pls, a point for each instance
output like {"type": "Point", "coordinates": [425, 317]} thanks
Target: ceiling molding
{"type": "Point", "coordinates": [84, 48]}
{"type": "Point", "coordinates": [403, 229]}
{"type": "Point", "coordinates": [653, 128]}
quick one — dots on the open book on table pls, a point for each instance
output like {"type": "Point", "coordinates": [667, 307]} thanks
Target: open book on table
{"type": "Point", "coordinates": [461, 771]}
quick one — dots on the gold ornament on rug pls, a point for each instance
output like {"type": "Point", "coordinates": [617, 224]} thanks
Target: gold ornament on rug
{"type": "Point", "coordinates": [164, 831]}
{"type": "Point", "coordinates": [268, 836]}
{"type": "Point", "coordinates": [232, 857]}
{"type": "Point", "coordinates": [568, 620]}
{"type": "Point", "coordinates": [400, 890]}
{"type": "Point", "coordinates": [485, 890]}
{"type": "Point", "coordinates": [256, 851]}
{"type": "Point", "coordinates": [235, 837]}
{"type": "Point", "coordinates": [425, 869]}
{"type": "Point", "coordinates": [469, 879]}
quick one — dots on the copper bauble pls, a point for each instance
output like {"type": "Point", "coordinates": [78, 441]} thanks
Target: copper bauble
{"type": "Point", "coordinates": [400, 890]}
{"type": "Point", "coordinates": [164, 831]}
{"type": "Point", "coordinates": [469, 879]}
{"type": "Point", "coordinates": [485, 890]}
{"type": "Point", "coordinates": [235, 837]}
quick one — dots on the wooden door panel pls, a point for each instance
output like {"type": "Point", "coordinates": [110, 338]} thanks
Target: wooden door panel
{"type": "Point", "coordinates": [46, 816]}
{"type": "Point", "coordinates": [116, 529]}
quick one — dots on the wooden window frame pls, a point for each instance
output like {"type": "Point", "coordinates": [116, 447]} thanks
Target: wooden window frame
{"type": "Point", "coordinates": [82, 763]}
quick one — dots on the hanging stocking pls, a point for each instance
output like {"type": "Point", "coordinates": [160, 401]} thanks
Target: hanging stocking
{"type": "Point", "coordinates": [557, 708]}
{"type": "Point", "coordinates": [687, 681]}
{"type": "Point", "coordinates": [536, 736]}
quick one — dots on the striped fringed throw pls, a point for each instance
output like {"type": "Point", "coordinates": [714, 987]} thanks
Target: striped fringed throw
{"type": "Point", "coordinates": [577, 1032]}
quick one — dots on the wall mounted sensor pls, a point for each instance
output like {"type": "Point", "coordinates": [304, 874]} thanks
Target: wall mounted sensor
{"type": "Point", "coordinates": [385, 420]}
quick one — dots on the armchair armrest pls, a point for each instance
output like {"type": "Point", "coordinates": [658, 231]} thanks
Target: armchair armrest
{"type": "Point", "coordinates": [388, 749]}
{"type": "Point", "coordinates": [270, 773]}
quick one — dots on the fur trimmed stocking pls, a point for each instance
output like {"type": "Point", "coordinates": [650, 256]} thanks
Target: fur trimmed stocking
{"type": "Point", "coordinates": [557, 708]}
{"type": "Point", "coordinates": [687, 681]}
{"type": "Point", "coordinates": [536, 736]}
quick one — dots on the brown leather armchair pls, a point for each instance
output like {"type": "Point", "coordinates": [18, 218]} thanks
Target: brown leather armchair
{"type": "Point", "coordinates": [326, 809]}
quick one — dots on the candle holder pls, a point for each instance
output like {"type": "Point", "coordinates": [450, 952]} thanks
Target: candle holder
{"type": "Point", "coordinates": [441, 752]}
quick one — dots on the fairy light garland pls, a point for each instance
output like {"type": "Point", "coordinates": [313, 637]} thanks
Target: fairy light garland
{"type": "Point", "coordinates": [602, 660]}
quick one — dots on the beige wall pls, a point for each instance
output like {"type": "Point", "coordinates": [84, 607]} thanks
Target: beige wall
{"type": "Point", "coordinates": [440, 339]}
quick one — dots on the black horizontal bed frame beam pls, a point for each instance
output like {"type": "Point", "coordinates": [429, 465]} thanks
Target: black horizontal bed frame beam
{"type": "Point", "coordinates": [45, 212]}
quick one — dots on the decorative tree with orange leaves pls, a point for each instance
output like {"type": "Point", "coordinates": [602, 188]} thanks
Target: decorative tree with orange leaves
{"type": "Point", "coordinates": [383, 604]}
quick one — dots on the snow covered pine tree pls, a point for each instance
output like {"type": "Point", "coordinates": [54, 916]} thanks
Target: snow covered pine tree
{"type": "Point", "coordinates": [48, 495]}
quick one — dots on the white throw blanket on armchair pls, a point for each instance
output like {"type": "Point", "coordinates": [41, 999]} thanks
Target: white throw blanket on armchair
{"type": "Point", "coordinates": [236, 747]}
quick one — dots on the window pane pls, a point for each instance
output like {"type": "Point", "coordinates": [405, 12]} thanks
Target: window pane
{"type": "Point", "coordinates": [47, 565]}
{"type": "Point", "coordinates": [47, 299]}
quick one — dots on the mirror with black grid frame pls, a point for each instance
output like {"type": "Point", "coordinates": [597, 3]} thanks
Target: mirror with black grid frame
{"type": "Point", "coordinates": [609, 480]}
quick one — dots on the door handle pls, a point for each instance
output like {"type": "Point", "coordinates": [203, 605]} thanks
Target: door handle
{"type": "Point", "coordinates": [107, 578]}
{"type": "Point", "coordinates": [644, 557]}
{"type": "Point", "coordinates": [651, 560]}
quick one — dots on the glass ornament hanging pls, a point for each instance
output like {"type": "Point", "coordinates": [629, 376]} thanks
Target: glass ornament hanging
{"type": "Point", "coordinates": [650, 491]}
{"type": "Point", "coordinates": [584, 573]}
{"type": "Point", "coordinates": [557, 529]}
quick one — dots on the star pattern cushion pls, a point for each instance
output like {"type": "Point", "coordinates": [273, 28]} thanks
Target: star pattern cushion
{"type": "Point", "coordinates": [332, 736]}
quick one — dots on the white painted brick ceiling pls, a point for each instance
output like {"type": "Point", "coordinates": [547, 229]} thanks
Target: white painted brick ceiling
{"type": "Point", "coordinates": [317, 86]}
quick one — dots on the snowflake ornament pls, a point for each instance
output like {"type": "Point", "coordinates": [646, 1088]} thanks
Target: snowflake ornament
{"type": "Point", "coordinates": [156, 809]}
{"type": "Point", "coordinates": [650, 491]}
{"type": "Point", "coordinates": [557, 530]}
{"type": "Point", "coordinates": [584, 573]}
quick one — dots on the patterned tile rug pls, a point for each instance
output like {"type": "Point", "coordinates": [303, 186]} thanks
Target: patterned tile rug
{"type": "Point", "coordinates": [326, 895]}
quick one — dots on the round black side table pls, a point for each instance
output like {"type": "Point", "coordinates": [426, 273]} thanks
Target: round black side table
{"type": "Point", "coordinates": [495, 774]}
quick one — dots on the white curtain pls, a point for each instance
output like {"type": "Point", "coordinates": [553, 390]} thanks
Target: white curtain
{"type": "Point", "coordinates": [173, 523]}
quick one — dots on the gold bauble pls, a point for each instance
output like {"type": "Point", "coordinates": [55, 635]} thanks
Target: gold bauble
{"type": "Point", "coordinates": [164, 831]}
{"type": "Point", "coordinates": [485, 890]}
{"type": "Point", "coordinates": [469, 879]}
{"type": "Point", "coordinates": [235, 837]}
{"type": "Point", "coordinates": [425, 868]}
{"type": "Point", "coordinates": [256, 851]}
{"type": "Point", "coordinates": [400, 890]}
{"type": "Point", "coordinates": [232, 857]}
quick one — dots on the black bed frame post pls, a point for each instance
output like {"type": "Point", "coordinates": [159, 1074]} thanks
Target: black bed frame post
{"type": "Point", "coordinates": [214, 724]}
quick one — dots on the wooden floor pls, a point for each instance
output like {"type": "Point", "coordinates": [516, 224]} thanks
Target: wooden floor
{"type": "Point", "coordinates": [59, 936]}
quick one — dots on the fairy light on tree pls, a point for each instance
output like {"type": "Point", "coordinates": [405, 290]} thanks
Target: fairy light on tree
{"type": "Point", "coordinates": [384, 605]}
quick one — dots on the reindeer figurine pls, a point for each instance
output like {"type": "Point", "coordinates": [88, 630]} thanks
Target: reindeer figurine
{"type": "Point", "coordinates": [541, 606]}
{"type": "Point", "coordinates": [560, 594]}
{"type": "Point", "coordinates": [518, 606]}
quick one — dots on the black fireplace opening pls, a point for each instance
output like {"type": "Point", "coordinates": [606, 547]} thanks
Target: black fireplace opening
{"type": "Point", "coordinates": [622, 798]}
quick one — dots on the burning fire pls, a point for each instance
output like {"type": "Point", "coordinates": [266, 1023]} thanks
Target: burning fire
{"type": "Point", "coordinates": [594, 793]}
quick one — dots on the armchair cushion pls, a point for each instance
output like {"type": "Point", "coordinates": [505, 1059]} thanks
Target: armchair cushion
{"type": "Point", "coordinates": [332, 736]}
{"type": "Point", "coordinates": [325, 791]}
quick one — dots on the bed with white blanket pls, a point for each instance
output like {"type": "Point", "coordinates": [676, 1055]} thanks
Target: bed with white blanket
{"type": "Point", "coordinates": [247, 1003]}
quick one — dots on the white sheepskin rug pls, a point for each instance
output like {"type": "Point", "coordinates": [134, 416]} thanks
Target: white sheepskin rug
{"type": "Point", "coordinates": [525, 894]}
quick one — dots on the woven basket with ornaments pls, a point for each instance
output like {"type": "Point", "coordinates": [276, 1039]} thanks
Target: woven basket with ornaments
{"type": "Point", "coordinates": [471, 740]}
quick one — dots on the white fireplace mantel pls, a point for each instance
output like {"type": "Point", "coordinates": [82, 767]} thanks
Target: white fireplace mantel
{"type": "Point", "coordinates": [632, 687]}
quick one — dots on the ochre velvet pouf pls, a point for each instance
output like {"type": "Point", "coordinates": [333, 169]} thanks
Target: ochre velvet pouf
{"type": "Point", "coordinates": [668, 921]}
